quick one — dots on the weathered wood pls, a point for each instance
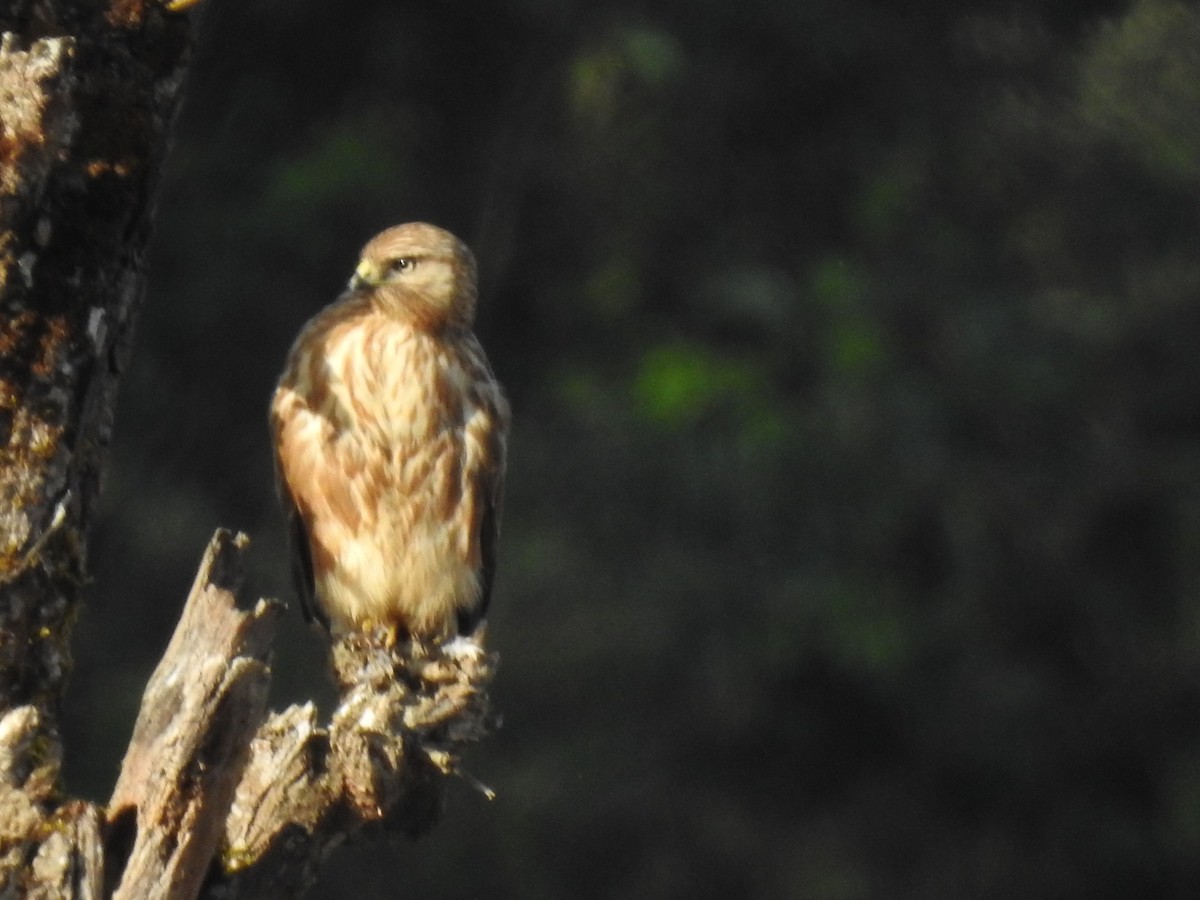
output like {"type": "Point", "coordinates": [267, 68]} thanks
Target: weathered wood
{"type": "Point", "coordinates": [200, 709]}
{"type": "Point", "coordinates": [70, 862]}
{"type": "Point", "coordinates": [380, 766]}
{"type": "Point", "coordinates": [217, 799]}
{"type": "Point", "coordinates": [214, 792]}
{"type": "Point", "coordinates": [63, 843]}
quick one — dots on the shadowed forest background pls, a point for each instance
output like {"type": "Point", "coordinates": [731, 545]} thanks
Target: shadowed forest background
{"type": "Point", "coordinates": [852, 542]}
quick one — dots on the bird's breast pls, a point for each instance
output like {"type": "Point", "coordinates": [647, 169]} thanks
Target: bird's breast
{"type": "Point", "coordinates": [397, 385]}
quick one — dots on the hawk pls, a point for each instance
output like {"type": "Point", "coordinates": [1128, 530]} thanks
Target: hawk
{"type": "Point", "coordinates": [390, 432]}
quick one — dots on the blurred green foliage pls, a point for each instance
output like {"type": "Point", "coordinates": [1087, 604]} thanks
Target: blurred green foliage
{"type": "Point", "coordinates": [852, 533]}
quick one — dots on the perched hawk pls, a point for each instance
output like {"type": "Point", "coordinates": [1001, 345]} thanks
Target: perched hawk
{"type": "Point", "coordinates": [390, 435]}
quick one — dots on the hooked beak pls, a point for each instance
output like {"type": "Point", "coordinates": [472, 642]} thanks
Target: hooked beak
{"type": "Point", "coordinates": [365, 276]}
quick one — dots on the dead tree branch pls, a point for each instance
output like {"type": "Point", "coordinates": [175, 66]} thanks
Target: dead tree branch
{"type": "Point", "coordinates": [210, 788]}
{"type": "Point", "coordinates": [197, 717]}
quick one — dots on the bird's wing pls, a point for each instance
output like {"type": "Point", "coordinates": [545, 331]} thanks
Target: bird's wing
{"type": "Point", "coordinates": [303, 578]}
{"type": "Point", "coordinates": [489, 534]}
{"type": "Point", "coordinates": [485, 468]}
{"type": "Point", "coordinates": [302, 565]}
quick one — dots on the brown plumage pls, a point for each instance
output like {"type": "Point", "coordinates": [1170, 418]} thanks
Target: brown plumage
{"type": "Point", "coordinates": [390, 433]}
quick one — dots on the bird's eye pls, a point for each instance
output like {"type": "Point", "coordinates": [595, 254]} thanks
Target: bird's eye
{"type": "Point", "coordinates": [403, 264]}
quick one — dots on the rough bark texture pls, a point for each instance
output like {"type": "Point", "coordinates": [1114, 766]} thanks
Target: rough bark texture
{"type": "Point", "coordinates": [405, 714]}
{"type": "Point", "coordinates": [214, 798]}
{"type": "Point", "coordinates": [212, 794]}
{"type": "Point", "coordinates": [87, 95]}
{"type": "Point", "coordinates": [197, 717]}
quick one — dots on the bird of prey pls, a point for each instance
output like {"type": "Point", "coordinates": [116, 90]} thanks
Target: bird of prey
{"type": "Point", "coordinates": [390, 442]}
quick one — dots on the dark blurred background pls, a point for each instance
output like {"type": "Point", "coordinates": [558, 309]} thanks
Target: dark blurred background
{"type": "Point", "coordinates": [852, 541]}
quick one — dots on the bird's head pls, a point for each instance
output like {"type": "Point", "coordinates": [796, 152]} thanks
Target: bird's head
{"type": "Point", "coordinates": [420, 273]}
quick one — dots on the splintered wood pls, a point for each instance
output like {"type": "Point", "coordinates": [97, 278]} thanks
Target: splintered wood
{"type": "Point", "coordinates": [406, 713]}
{"type": "Point", "coordinates": [219, 798]}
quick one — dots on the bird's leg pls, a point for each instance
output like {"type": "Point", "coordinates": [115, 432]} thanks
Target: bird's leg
{"type": "Point", "coordinates": [389, 635]}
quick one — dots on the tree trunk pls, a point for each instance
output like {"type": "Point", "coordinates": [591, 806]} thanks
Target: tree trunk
{"type": "Point", "coordinates": [87, 96]}
{"type": "Point", "coordinates": [214, 797]}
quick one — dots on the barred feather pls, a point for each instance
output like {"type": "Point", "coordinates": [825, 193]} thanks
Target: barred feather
{"type": "Point", "coordinates": [390, 435]}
